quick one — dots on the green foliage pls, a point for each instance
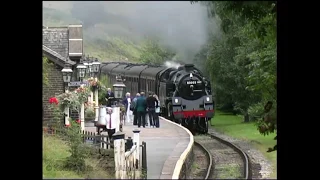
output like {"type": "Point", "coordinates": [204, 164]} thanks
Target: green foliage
{"type": "Point", "coordinates": [82, 93]}
{"type": "Point", "coordinates": [76, 161]}
{"type": "Point", "coordinates": [241, 59]}
{"type": "Point", "coordinates": [103, 90]}
{"type": "Point", "coordinates": [69, 99]}
{"type": "Point", "coordinates": [45, 70]}
{"type": "Point", "coordinates": [154, 53]}
{"type": "Point", "coordinates": [256, 111]}
{"type": "Point", "coordinates": [56, 121]}
{"type": "Point", "coordinates": [89, 113]}
{"type": "Point", "coordinates": [74, 99]}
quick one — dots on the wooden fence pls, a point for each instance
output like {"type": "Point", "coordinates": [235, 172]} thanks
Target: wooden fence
{"type": "Point", "coordinates": [127, 164]}
{"type": "Point", "coordinates": [126, 153]}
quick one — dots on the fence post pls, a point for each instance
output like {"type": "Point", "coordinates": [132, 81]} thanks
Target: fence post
{"type": "Point", "coordinates": [82, 117]}
{"type": "Point", "coordinates": [136, 141]}
{"type": "Point", "coordinates": [119, 154]}
{"type": "Point", "coordinates": [103, 139]}
{"type": "Point", "coordinates": [144, 159]}
{"type": "Point", "coordinates": [116, 115]}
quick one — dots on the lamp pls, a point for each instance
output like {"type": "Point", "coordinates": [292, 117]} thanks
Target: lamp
{"type": "Point", "coordinates": [66, 73]}
{"type": "Point", "coordinates": [81, 70]}
{"type": "Point", "coordinates": [96, 66]}
{"type": "Point", "coordinates": [119, 88]}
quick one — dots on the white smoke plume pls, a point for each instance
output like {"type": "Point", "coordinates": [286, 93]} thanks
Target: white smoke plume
{"type": "Point", "coordinates": [172, 64]}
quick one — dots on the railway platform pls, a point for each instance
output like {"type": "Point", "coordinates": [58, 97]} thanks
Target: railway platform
{"type": "Point", "coordinates": [164, 145]}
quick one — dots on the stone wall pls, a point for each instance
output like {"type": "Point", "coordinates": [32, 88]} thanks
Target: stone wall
{"type": "Point", "coordinates": [55, 87]}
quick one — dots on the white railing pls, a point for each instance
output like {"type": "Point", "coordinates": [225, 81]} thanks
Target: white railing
{"type": "Point", "coordinates": [131, 164]}
{"type": "Point", "coordinates": [127, 164]}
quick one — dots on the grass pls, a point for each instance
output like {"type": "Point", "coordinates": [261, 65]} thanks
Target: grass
{"type": "Point", "coordinates": [55, 151]}
{"type": "Point", "coordinates": [227, 171]}
{"type": "Point", "coordinates": [233, 126]}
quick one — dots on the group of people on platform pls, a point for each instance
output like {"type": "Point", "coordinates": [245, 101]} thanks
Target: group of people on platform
{"type": "Point", "coordinates": [140, 109]}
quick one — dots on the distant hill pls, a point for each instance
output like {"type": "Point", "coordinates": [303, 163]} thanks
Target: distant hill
{"type": "Point", "coordinates": [107, 38]}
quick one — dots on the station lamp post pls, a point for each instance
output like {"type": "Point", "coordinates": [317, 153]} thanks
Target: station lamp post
{"type": "Point", "coordinates": [66, 74]}
{"type": "Point", "coordinates": [95, 70]}
{"type": "Point", "coordinates": [85, 62]}
{"type": "Point", "coordinates": [89, 61]}
{"type": "Point", "coordinates": [88, 75]}
{"type": "Point", "coordinates": [81, 68]}
{"type": "Point", "coordinates": [119, 88]}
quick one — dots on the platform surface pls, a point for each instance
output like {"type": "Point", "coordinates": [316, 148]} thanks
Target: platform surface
{"type": "Point", "coordinates": [164, 146]}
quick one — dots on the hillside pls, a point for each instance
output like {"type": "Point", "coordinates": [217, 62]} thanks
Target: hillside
{"type": "Point", "coordinates": [107, 40]}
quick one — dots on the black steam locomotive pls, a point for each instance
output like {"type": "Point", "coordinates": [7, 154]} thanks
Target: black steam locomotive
{"type": "Point", "coordinates": [184, 93]}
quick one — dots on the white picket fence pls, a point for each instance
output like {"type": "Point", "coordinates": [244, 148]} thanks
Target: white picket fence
{"type": "Point", "coordinates": [127, 164]}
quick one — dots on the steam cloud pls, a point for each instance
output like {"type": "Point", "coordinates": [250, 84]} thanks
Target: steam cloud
{"type": "Point", "coordinates": [172, 64]}
{"type": "Point", "coordinates": [178, 24]}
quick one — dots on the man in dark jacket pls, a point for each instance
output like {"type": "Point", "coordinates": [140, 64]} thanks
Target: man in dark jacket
{"type": "Point", "coordinates": [141, 106]}
{"type": "Point", "coordinates": [109, 97]}
{"type": "Point", "coordinates": [152, 103]}
{"type": "Point", "coordinates": [134, 109]}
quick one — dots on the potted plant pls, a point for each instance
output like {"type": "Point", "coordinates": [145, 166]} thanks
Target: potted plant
{"type": "Point", "coordinates": [89, 116]}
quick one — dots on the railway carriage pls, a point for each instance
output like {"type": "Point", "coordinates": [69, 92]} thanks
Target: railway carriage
{"type": "Point", "coordinates": [184, 93]}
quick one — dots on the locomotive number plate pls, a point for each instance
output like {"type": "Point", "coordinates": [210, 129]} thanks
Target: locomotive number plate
{"type": "Point", "coordinates": [191, 82]}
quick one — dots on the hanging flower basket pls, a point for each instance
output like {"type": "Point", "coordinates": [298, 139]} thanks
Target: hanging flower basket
{"type": "Point", "coordinates": [69, 99]}
{"type": "Point", "coordinates": [82, 94]}
{"type": "Point", "coordinates": [94, 83]}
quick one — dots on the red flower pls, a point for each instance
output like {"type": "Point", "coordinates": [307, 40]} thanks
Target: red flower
{"type": "Point", "coordinates": [53, 100]}
{"type": "Point", "coordinates": [78, 121]}
{"type": "Point", "coordinates": [68, 125]}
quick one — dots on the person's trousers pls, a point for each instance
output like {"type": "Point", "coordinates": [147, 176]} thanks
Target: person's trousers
{"type": "Point", "coordinates": [141, 117]}
{"type": "Point", "coordinates": [110, 133]}
{"type": "Point", "coordinates": [152, 116]}
{"type": "Point", "coordinates": [135, 117]}
{"type": "Point", "coordinates": [157, 123]}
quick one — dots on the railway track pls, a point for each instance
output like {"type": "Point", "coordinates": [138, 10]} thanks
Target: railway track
{"type": "Point", "coordinates": [202, 166]}
{"type": "Point", "coordinates": [227, 160]}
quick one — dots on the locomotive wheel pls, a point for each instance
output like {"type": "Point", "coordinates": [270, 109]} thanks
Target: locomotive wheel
{"type": "Point", "coordinates": [206, 127]}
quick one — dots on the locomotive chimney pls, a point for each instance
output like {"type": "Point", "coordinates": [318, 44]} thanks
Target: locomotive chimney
{"type": "Point", "coordinates": [188, 67]}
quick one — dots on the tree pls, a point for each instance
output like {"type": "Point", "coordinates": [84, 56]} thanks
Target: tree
{"type": "Point", "coordinates": [242, 60]}
{"type": "Point", "coordinates": [154, 53]}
